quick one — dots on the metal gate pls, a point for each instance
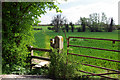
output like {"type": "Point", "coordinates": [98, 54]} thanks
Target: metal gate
{"type": "Point", "coordinates": [94, 74]}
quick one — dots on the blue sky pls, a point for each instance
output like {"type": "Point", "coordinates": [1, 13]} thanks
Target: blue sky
{"type": "Point", "coordinates": [74, 9]}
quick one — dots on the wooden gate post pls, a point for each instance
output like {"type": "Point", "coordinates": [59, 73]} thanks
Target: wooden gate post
{"type": "Point", "coordinates": [59, 43]}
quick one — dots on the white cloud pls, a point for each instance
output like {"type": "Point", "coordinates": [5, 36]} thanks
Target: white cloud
{"type": "Point", "coordinates": [46, 19]}
{"type": "Point", "coordinates": [65, 1]}
{"type": "Point", "coordinates": [73, 13]}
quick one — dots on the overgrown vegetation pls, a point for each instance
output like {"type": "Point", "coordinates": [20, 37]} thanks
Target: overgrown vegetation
{"type": "Point", "coordinates": [59, 69]}
{"type": "Point", "coordinates": [17, 35]}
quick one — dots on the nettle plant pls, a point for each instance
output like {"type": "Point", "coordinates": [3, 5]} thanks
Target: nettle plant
{"type": "Point", "coordinates": [59, 68]}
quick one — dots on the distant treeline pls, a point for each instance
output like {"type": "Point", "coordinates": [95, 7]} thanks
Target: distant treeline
{"type": "Point", "coordinates": [43, 25]}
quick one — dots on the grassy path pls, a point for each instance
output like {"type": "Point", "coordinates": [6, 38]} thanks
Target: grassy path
{"type": "Point", "coordinates": [47, 44]}
{"type": "Point", "coordinates": [47, 38]}
{"type": "Point", "coordinates": [42, 40]}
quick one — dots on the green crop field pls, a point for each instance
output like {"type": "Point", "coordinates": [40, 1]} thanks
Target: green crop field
{"type": "Point", "coordinates": [42, 40]}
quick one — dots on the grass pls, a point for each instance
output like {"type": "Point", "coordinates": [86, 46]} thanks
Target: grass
{"type": "Point", "coordinates": [42, 38]}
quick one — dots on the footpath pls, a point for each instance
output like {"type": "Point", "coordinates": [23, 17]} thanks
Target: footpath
{"type": "Point", "coordinates": [23, 77]}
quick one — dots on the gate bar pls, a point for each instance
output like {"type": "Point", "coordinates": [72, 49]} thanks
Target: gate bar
{"type": "Point", "coordinates": [39, 49]}
{"type": "Point", "coordinates": [95, 38]}
{"type": "Point", "coordinates": [95, 48]}
{"type": "Point", "coordinates": [97, 75]}
{"type": "Point", "coordinates": [93, 57]}
{"type": "Point", "coordinates": [102, 74]}
{"type": "Point", "coordinates": [38, 57]}
{"type": "Point", "coordinates": [96, 66]}
{"type": "Point", "coordinates": [101, 67]}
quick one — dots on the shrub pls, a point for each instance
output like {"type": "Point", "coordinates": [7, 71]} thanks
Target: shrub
{"type": "Point", "coordinates": [59, 68]}
{"type": "Point", "coordinates": [67, 27]}
{"type": "Point", "coordinates": [63, 28]}
{"type": "Point", "coordinates": [78, 29]}
{"type": "Point", "coordinates": [72, 26]}
{"type": "Point", "coordinates": [37, 28]}
{"type": "Point", "coordinates": [49, 28]}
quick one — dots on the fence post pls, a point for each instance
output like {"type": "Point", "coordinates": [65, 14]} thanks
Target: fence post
{"type": "Point", "coordinates": [31, 54]}
{"type": "Point", "coordinates": [31, 50]}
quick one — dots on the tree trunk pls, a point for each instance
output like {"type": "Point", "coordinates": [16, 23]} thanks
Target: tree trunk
{"type": "Point", "coordinates": [83, 27]}
{"type": "Point", "coordinates": [72, 28]}
{"type": "Point", "coordinates": [111, 24]}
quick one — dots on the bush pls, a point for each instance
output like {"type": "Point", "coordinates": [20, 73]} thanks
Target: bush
{"type": "Point", "coordinates": [67, 27]}
{"type": "Point", "coordinates": [63, 29]}
{"type": "Point", "coordinates": [78, 29]}
{"type": "Point", "coordinates": [37, 28]}
{"type": "Point", "coordinates": [59, 69]}
{"type": "Point", "coordinates": [17, 32]}
{"type": "Point", "coordinates": [49, 28]}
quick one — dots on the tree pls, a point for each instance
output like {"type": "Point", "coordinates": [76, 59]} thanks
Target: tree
{"type": "Point", "coordinates": [83, 23]}
{"type": "Point", "coordinates": [111, 25]}
{"type": "Point", "coordinates": [96, 24]}
{"type": "Point", "coordinates": [17, 35]}
{"type": "Point", "coordinates": [72, 26]}
{"type": "Point", "coordinates": [90, 23]}
{"type": "Point", "coordinates": [36, 21]}
{"type": "Point", "coordinates": [104, 22]}
{"type": "Point", "coordinates": [67, 27]}
{"type": "Point", "coordinates": [58, 21]}
{"type": "Point", "coordinates": [94, 21]}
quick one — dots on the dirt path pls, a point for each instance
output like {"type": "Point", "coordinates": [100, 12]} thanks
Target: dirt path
{"type": "Point", "coordinates": [23, 77]}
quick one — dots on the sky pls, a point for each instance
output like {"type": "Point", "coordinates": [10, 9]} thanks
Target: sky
{"type": "Point", "coordinates": [74, 9]}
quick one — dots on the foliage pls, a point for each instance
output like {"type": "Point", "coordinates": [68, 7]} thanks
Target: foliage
{"type": "Point", "coordinates": [96, 23]}
{"type": "Point", "coordinates": [58, 21]}
{"type": "Point", "coordinates": [111, 24]}
{"type": "Point", "coordinates": [67, 27]}
{"type": "Point", "coordinates": [93, 22]}
{"type": "Point", "coordinates": [117, 27]}
{"type": "Point", "coordinates": [79, 29]}
{"type": "Point", "coordinates": [59, 69]}
{"type": "Point", "coordinates": [37, 28]}
{"type": "Point", "coordinates": [17, 31]}
{"type": "Point", "coordinates": [72, 26]}
{"type": "Point", "coordinates": [39, 71]}
{"type": "Point", "coordinates": [50, 28]}
{"type": "Point", "coordinates": [83, 22]}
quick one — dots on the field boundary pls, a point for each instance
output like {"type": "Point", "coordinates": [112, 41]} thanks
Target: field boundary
{"type": "Point", "coordinates": [93, 74]}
